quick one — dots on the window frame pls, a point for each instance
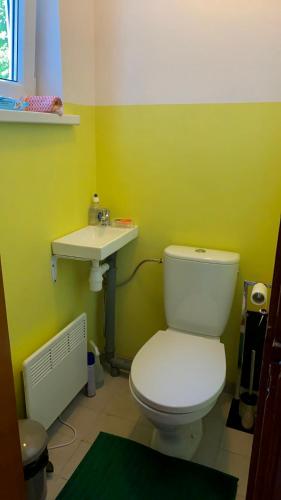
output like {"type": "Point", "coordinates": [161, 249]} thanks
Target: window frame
{"type": "Point", "coordinates": [26, 82]}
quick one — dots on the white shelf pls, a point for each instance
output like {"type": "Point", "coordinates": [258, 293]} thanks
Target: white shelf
{"type": "Point", "coordinates": [32, 117]}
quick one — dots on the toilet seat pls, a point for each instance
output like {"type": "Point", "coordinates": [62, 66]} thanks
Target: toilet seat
{"type": "Point", "coordinates": [177, 372]}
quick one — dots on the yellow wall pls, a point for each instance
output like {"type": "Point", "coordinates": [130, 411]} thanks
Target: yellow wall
{"type": "Point", "coordinates": [47, 176]}
{"type": "Point", "coordinates": [206, 175]}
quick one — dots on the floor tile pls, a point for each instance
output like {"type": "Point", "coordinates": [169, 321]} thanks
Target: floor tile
{"type": "Point", "coordinates": [142, 433]}
{"type": "Point", "coordinates": [54, 428]}
{"type": "Point", "coordinates": [54, 486]}
{"type": "Point", "coordinates": [237, 442]}
{"type": "Point", "coordinates": [236, 465]}
{"type": "Point", "coordinates": [221, 409]}
{"type": "Point", "coordinates": [213, 428]}
{"type": "Point", "coordinates": [112, 410]}
{"type": "Point", "coordinates": [60, 456]}
{"type": "Point", "coordinates": [83, 419]}
{"type": "Point", "coordinates": [121, 383]}
{"type": "Point", "coordinates": [114, 425]}
{"type": "Point", "coordinates": [75, 460]}
{"type": "Point", "coordinates": [58, 432]}
{"type": "Point", "coordinates": [118, 384]}
{"type": "Point", "coordinates": [207, 452]}
{"type": "Point", "coordinates": [121, 404]}
{"type": "Point", "coordinates": [98, 402]}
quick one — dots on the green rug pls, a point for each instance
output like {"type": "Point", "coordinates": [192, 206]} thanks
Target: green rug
{"type": "Point", "coordinates": [119, 469]}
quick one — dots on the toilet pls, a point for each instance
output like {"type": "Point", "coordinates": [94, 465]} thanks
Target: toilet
{"type": "Point", "coordinates": [179, 373]}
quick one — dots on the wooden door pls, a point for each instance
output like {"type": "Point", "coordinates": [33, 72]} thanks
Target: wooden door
{"type": "Point", "coordinates": [265, 469]}
{"type": "Point", "coordinates": [11, 472]}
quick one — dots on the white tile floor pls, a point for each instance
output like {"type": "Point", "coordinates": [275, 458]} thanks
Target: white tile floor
{"type": "Point", "coordinates": [113, 411]}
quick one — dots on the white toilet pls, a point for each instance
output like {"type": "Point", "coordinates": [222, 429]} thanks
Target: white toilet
{"type": "Point", "coordinates": [177, 376]}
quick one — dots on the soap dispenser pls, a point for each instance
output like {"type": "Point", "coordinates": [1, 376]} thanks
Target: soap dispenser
{"type": "Point", "coordinates": [94, 209]}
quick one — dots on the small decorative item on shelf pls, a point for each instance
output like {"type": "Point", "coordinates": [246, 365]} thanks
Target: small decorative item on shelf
{"type": "Point", "coordinates": [12, 104]}
{"type": "Point", "coordinates": [44, 104]}
{"type": "Point", "coordinates": [123, 223]}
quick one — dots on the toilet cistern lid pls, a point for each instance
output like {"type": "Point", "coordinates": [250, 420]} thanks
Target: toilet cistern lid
{"type": "Point", "coordinates": [203, 255]}
{"type": "Point", "coordinates": [178, 372]}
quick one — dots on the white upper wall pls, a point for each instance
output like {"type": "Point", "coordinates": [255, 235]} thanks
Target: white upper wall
{"type": "Point", "coordinates": [178, 51]}
{"type": "Point", "coordinates": [77, 47]}
{"type": "Point", "coordinates": [48, 49]}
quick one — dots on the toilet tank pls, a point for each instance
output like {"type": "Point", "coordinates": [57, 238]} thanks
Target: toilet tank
{"type": "Point", "coordinates": [199, 286]}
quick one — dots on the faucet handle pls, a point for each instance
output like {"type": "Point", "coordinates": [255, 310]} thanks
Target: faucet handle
{"type": "Point", "coordinates": [104, 216]}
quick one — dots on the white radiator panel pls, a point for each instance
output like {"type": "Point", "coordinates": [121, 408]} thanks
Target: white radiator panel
{"type": "Point", "coordinates": [56, 372]}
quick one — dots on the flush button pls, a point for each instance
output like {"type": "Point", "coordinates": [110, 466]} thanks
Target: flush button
{"type": "Point", "coordinates": [200, 250]}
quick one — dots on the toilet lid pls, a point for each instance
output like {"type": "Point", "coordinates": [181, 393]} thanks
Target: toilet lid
{"type": "Point", "coordinates": [178, 372]}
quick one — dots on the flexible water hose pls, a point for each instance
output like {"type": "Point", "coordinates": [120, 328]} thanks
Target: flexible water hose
{"type": "Point", "coordinates": [122, 283]}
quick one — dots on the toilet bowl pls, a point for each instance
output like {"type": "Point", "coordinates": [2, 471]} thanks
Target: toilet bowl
{"type": "Point", "coordinates": [179, 373]}
{"type": "Point", "coordinates": [175, 381]}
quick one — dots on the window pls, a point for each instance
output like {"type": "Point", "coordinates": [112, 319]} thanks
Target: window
{"type": "Point", "coordinates": [8, 40]}
{"type": "Point", "coordinates": [17, 47]}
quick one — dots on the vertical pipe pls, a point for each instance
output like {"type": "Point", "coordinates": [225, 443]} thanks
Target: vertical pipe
{"type": "Point", "coordinates": [110, 290]}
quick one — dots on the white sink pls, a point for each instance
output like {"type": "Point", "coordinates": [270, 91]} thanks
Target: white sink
{"type": "Point", "coordinates": [94, 242]}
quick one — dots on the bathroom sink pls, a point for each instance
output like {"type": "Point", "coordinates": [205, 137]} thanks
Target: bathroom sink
{"type": "Point", "coordinates": [93, 242]}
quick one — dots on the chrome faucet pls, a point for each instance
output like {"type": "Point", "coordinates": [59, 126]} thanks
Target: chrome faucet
{"type": "Point", "coordinates": [104, 216]}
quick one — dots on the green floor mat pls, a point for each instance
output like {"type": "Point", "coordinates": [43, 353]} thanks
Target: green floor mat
{"type": "Point", "coordinates": [119, 469]}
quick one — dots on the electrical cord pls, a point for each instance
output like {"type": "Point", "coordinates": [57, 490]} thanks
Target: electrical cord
{"type": "Point", "coordinates": [122, 283]}
{"type": "Point", "coordinates": [67, 443]}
